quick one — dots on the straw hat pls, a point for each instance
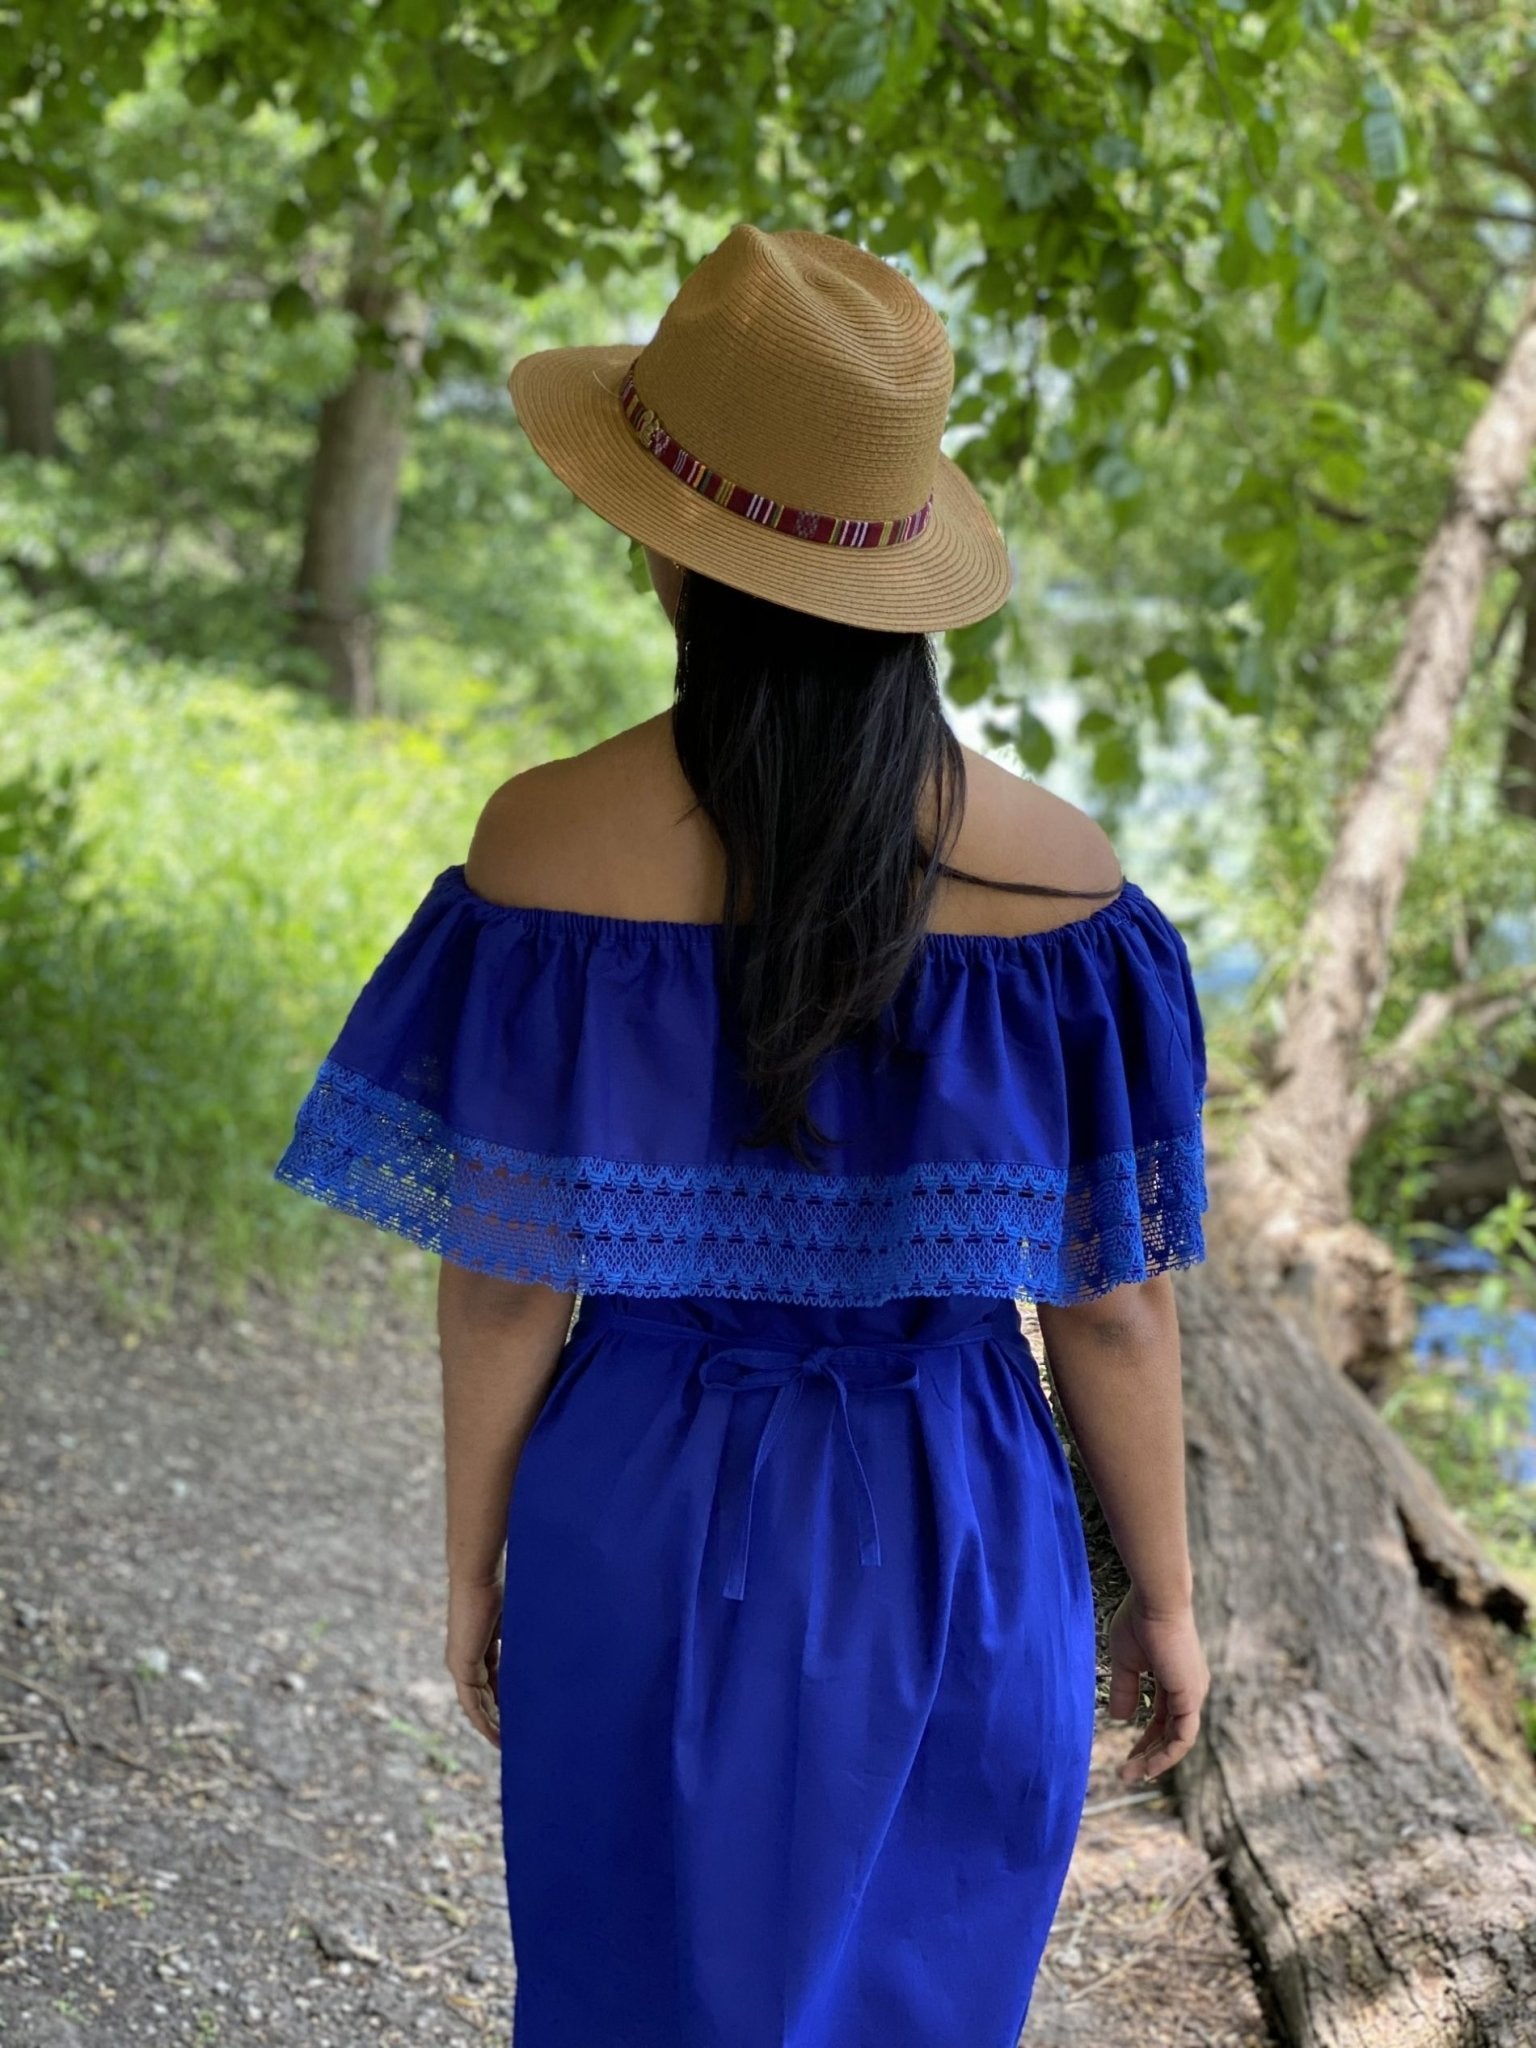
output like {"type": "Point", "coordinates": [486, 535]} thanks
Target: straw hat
{"type": "Point", "coordinates": [780, 432]}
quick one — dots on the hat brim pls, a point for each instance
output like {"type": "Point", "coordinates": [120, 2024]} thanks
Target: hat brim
{"type": "Point", "coordinates": [953, 573]}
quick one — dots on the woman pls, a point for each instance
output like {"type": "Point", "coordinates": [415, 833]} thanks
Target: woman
{"type": "Point", "coordinates": [708, 1039]}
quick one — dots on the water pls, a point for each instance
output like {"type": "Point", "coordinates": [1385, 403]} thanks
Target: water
{"type": "Point", "coordinates": [1500, 1340]}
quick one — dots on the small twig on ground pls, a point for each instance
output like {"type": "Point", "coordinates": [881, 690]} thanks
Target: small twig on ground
{"type": "Point", "coordinates": [1157, 1932]}
{"type": "Point", "coordinates": [435, 1955]}
{"type": "Point", "coordinates": [45, 1692]}
{"type": "Point", "coordinates": [1125, 1799]}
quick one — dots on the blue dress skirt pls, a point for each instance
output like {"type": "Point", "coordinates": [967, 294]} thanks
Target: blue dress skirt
{"type": "Point", "coordinates": [797, 1678]}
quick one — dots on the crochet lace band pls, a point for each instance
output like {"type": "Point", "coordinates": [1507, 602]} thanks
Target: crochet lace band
{"type": "Point", "coordinates": [598, 1225]}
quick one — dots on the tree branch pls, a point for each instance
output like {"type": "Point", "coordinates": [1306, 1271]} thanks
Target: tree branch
{"type": "Point", "coordinates": [1394, 1070]}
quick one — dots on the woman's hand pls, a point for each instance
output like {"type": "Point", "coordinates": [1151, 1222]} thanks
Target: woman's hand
{"type": "Point", "coordinates": [474, 1652]}
{"type": "Point", "coordinates": [1166, 1645]}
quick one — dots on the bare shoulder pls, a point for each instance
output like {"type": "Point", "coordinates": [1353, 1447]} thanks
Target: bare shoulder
{"type": "Point", "coordinates": [1018, 831]}
{"type": "Point", "coordinates": [550, 834]}
{"type": "Point", "coordinates": [614, 829]}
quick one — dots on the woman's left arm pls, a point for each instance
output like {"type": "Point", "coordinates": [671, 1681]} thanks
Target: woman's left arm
{"type": "Point", "coordinates": [500, 1344]}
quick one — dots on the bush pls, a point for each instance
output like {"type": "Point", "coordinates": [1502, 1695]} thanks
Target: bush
{"type": "Point", "coordinates": [197, 873]}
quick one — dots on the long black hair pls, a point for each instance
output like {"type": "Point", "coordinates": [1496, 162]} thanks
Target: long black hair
{"type": "Point", "coordinates": [808, 743]}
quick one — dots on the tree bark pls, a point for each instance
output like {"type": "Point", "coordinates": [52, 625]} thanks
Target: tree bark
{"type": "Point", "coordinates": [1517, 770]}
{"type": "Point", "coordinates": [1357, 1772]}
{"type": "Point", "coordinates": [26, 396]}
{"type": "Point", "coordinates": [354, 495]}
{"type": "Point", "coordinates": [1287, 1188]}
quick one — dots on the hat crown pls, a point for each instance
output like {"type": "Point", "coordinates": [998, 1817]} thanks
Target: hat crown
{"type": "Point", "coordinates": [804, 368]}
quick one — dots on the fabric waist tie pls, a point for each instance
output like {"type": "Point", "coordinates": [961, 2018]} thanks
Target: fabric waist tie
{"type": "Point", "coordinates": [740, 1368]}
{"type": "Point", "coordinates": [885, 1367]}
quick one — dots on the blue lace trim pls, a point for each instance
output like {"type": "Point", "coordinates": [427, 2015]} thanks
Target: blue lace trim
{"type": "Point", "coordinates": [603, 1226]}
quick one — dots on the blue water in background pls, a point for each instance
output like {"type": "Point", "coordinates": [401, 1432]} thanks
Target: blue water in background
{"type": "Point", "coordinates": [1446, 1330]}
{"type": "Point", "coordinates": [1505, 1342]}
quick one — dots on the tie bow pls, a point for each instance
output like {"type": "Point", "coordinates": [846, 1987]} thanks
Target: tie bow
{"type": "Point", "coordinates": [849, 1368]}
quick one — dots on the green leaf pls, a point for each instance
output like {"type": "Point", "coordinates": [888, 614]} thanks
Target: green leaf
{"type": "Point", "coordinates": [1032, 737]}
{"type": "Point", "coordinates": [623, 23]}
{"type": "Point", "coordinates": [1164, 665]}
{"type": "Point", "coordinates": [1128, 365]}
{"type": "Point", "coordinates": [969, 681]}
{"type": "Point", "coordinates": [1167, 393]}
{"type": "Point", "coordinates": [639, 569]}
{"type": "Point", "coordinates": [1135, 81]}
{"type": "Point", "coordinates": [1260, 225]}
{"type": "Point", "coordinates": [290, 306]}
{"type": "Point", "coordinates": [1309, 293]}
{"type": "Point", "coordinates": [452, 355]}
{"type": "Point", "coordinates": [289, 221]}
{"type": "Point", "coordinates": [1257, 679]}
{"type": "Point", "coordinates": [1117, 476]}
{"type": "Point", "coordinates": [1096, 721]}
{"type": "Point", "coordinates": [854, 56]}
{"type": "Point", "coordinates": [203, 81]}
{"type": "Point", "coordinates": [968, 643]}
{"type": "Point", "coordinates": [533, 74]}
{"type": "Point", "coordinates": [1118, 290]}
{"type": "Point", "coordinates": [1169, 55]}
{"type": "Point", "coordinates": [1114, 760]}
{"type": "Point", "coordinates": [1386, 146]}
{"type": "Point", "coordinates": [1234, 262]}
{"type": "Point", "coordinates": [1027, 180]}
{"type": "Point", "coordinates": [1115, 152]}
{"type": "Point", "coordinates": [1343, 476]}
{"type": "Point", "coordinates": [1208, 348]}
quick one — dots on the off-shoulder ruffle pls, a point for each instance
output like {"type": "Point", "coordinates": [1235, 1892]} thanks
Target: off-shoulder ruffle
{"type": "Point", "coordinates": [551, 1096]}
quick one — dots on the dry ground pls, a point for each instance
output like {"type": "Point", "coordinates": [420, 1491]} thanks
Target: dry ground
{"type": "Point", "coordinates": [237, 1802]}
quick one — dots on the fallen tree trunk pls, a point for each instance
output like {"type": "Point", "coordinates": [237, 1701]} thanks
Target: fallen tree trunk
{"type": "Point", "coordinates": [1360, 1772]}
{"type": "Point", "coordinates": [1288, 1184]}
{"type": "Point", "coordinates": [1347, 1772]}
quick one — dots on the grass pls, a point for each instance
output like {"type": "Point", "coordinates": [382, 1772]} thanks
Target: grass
{"type": "Point", "coordinates": [198, 871]}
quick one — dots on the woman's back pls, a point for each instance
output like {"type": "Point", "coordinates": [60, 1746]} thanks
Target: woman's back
{"type": "Point", "coordinates": [612, 832]}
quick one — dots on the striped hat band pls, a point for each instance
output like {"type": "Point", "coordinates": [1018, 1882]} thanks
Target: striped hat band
{"type": "Point", "coordinates": [762, 511]}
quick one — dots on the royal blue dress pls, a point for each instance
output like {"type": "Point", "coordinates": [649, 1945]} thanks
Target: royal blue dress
{"type": "Point", "coordinates": [797, 1668]}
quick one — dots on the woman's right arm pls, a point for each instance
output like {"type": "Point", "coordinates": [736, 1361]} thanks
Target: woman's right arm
{"type": "Point", "coordinates": [1116, 1368]}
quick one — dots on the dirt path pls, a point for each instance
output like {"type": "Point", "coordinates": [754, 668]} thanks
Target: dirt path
{"type": "Point", "coordinates": [237, 1801]}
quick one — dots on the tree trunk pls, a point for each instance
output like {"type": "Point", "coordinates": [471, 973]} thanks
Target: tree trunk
{"type": "Point", "coordinates": [1517, 770]}
{"type": "Point", "coordinates": [1287, 1190]}
{"type": "Point", "coordinates": [1360, 1771]}
{"type": "Point", "coordinates": [1358, 1768]}
{"type": "Point", "coordinates": [26, 397]}
{"type": "Point", "coordinates": [354, 493]}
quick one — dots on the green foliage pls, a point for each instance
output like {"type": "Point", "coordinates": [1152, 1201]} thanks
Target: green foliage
{"type": "Point", "coordinates": [196, 874]}
{"type": "Point", "coordinates": [189, 425]}
{"type": "Point", "coordinates": [1053, 167]}
{"type": "Point", "coordinates": [48, 928]}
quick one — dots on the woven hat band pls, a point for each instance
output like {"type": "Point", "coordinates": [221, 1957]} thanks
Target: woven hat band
{"type": "Point", "coordinates": [753, 505]}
